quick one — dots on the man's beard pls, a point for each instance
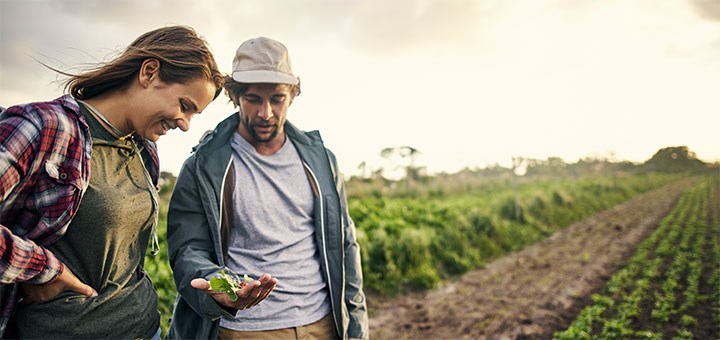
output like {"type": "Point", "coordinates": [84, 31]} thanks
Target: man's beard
{"type": "Point", "coordinates": [250, 128]}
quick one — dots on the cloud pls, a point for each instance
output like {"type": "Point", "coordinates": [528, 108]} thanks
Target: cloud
{"type": "Point", "coordinates": [130, 15]}
{"type": "Point", "coordinates": [707, 9]}
{"type": "Point", "coordinates": [392, 26]}
{"type": "Point", "coordinates": [375, 27]}
{"type": "Point", "coordinates": [31, 30]}
{"type": "Point", "coordinates": [71, 36]}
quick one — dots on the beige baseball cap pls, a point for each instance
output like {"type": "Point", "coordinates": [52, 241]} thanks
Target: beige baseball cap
{"type": "Point", "coordinates": [263, 60]}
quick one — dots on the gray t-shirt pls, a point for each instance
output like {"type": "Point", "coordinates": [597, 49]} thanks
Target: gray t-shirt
{"type": "Point", "coordinates": [274, 233]}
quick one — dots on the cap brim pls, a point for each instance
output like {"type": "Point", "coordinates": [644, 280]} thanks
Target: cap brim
{"type": "Point", "coordinates": [261, 76]}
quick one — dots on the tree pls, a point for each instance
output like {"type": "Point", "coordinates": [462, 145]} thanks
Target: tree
{"type": "Point", "coordinates": [363, 169]}
{"type": "Point", "coordinates": [674, 159]}
{"type": "Point", "coordinates": [405, 157]}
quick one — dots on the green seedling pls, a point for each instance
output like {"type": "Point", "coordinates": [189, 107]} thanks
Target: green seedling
{"type": "Point", "coordinates": [228, 284]}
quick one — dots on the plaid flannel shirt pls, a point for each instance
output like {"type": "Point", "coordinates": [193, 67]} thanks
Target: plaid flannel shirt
{"type": "Point", "coordinates": [45, 151]}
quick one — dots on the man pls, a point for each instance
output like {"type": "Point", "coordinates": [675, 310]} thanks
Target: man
{"type": "Point", "coordinates": [260, 196]}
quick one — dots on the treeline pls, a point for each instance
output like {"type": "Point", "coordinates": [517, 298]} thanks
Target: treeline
{"type": "Point", "coordinates": [415, 183]}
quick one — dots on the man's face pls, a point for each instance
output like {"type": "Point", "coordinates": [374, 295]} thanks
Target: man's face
{"type": "Point", "coordinates": [263, 111]}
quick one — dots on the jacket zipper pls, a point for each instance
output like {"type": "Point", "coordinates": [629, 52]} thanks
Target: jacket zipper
{"type": "Point", "coordinates": [324, 245]}
{"type": "Point", "coordinates": [220, 219]}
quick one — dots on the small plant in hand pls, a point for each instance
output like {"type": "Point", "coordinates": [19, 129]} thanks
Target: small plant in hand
{"type": "Point", "coordinates": [228, 284]}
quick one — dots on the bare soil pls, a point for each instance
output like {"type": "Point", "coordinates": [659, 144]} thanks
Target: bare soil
{"type": "Point", "coordinates": [532, 293]}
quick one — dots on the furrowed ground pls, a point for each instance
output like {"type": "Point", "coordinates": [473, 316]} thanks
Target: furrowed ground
{"type": "Point", "coordinates": [670, 287]}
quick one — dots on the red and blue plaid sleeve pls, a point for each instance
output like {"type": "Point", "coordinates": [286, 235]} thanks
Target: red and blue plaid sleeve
{"type": "Point", "coordinates": [20, 259]}
{"type": "Point", "coordinates": [19, 140]}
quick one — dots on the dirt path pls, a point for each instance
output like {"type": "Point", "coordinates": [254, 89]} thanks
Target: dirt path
{"type": "Point", "coordinates": [531, 293]}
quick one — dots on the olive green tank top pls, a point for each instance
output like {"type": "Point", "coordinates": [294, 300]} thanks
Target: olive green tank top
{"type": "Point", "coordinates": [104, 246]}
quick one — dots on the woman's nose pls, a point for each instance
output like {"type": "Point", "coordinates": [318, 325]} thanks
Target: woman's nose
{"type": "Point", "coordinates": [184, 122]}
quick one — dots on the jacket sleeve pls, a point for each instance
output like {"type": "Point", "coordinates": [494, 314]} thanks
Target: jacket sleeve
{"type": "Point", "coordinates": [21, 260]}
{"type": "Point", "coordinates": [354, 294]}
{"type": "Point", "coordinates": [191, 245]}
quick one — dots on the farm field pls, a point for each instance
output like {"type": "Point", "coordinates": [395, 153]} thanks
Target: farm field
{"type": "Point", "coordinates": [670, 288]}
{"type": "Point", "coordinates": [538, 291]}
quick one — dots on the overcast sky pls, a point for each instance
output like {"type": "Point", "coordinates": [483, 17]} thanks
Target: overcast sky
{"type": "Point", "coordinates": [469, 83]}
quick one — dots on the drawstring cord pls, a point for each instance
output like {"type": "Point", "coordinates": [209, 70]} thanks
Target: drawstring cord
{"type": "Point", "coordinates": [154, 243]}
{"type": "Point", "coordinates": [121, 135]}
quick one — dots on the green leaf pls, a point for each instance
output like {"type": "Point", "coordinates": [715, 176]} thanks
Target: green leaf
{"type": "Point", "coordinates": [219, 284]}
{"type": "Point", "coordinates": [228, 284]}
{"type": "Point", "coordinates": [232, 295]}
{"type": "Point", "coordinates": [231, 281]}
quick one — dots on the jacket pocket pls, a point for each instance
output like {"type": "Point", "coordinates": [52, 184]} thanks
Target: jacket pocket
{"type": "Point", "coordinates": [333, 227]}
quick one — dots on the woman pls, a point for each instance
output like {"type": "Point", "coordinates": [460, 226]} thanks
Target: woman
{"type": "Point", "coordinates": [72, 244]}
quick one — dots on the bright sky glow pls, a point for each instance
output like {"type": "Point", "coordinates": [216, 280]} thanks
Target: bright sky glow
{"type": "Point", "coordinates": [469, 83]}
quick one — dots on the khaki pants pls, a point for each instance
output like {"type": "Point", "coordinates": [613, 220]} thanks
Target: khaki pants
{"type": "Point", "coordinates": [322, 329]}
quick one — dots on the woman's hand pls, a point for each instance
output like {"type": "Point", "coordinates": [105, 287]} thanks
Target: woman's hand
{"type": "Point", "coordinates": [66, 281]}
{"type": "Point", "coordinates": [250, 295]}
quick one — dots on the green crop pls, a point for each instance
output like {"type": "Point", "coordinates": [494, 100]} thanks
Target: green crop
{"type": "Point", "coordinates": [228, 284]}
{"type": "Point", "coordinates": [659, 293]}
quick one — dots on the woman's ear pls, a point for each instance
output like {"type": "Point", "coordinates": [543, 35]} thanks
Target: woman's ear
{"type": "Point", "coordinates": [149, 70]}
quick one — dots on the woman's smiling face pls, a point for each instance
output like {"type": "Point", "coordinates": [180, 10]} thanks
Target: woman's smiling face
{"type": "Point", "coordinates": [165, 106]}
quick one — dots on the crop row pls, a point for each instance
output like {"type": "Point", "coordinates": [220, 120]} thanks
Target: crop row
{"type": "Point", "coordinates": [670, 287]}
